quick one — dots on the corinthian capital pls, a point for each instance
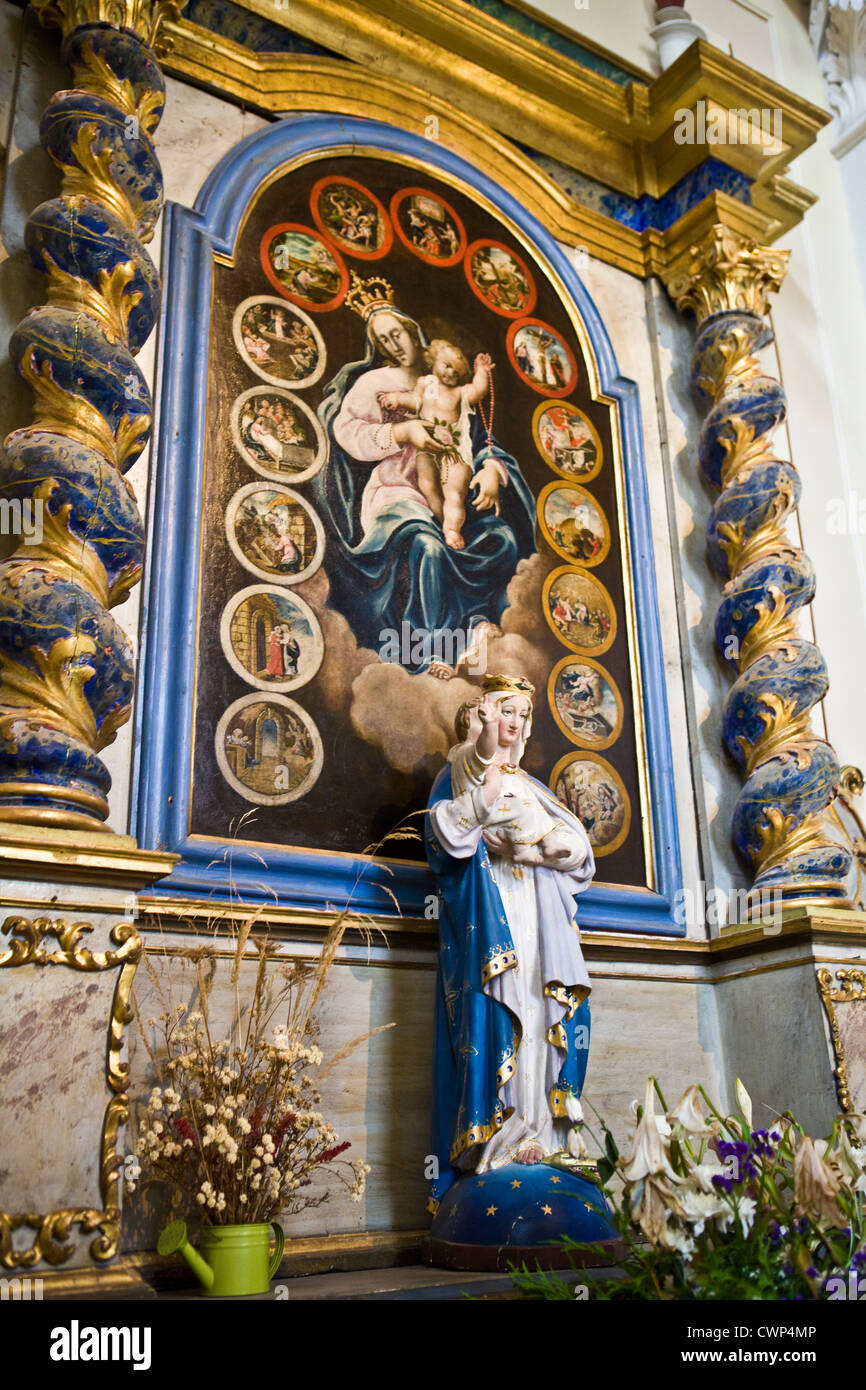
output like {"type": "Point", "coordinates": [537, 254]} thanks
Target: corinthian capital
{"type": "Point", "coordinates": [727, 271]}
{"type": "Point", "coordinates": [139, 17]}
{"type": "Point", "coordinates": [838, 32]}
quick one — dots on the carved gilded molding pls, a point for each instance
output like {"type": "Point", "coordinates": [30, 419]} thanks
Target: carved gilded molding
{"type": "Point", "coordinates": [27, 947]}
{"type": "Point", "coordinates": [140, 17]}
{"type": "Point", "coordinates": [849, 989]}
{"type": "Point", "coordinates": [622, 136]}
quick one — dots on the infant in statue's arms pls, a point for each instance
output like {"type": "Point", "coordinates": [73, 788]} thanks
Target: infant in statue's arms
{"type": "Point", "coordinates": [484, 726]}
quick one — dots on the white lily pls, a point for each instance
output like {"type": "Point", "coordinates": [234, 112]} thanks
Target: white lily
{"type": "Point", "coordinates": [573, 1108]}
{"type": "Point", "coordinates": [649, 1155]}
{"type": "Point", "coordinates": [815, 1184]}
{"type": "Point", "coordinates": [744, 1101]}
{"type": "Point", "coordinates": [687, 1112]}
{"type": "Point", "coordinates": [847, 1162]}
{"type": "Point", "coordinates": [858, 1124]}
{"type": "Point", "coordinates": [653, 1203]}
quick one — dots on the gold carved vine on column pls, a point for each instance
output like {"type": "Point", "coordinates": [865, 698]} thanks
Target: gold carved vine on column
{"type": "Point", "coordinates": [27, 947]}
{"type": "Point", "coordinates": [791, 774]}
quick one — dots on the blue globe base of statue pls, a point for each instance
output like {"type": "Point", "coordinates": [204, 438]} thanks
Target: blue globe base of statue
{"type": "Point", "coordinates": [517, 1214]}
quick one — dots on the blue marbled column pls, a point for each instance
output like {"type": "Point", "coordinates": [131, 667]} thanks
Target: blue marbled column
{"type": "Point", "coordinates": [791, 774]}
{"type": "Point", "coordinates": [66, 667]}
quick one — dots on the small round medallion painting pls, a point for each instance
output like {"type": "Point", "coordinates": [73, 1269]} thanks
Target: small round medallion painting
{"type": "Point", "coordinates": [349, 214]}
{"type": "Point", "coordinates": [594, 792]}
{"type": "Point", "coordinates": [304, 267]}
{"type": "Point", "coordinates": [268, 749]}
{"type": "Point", "coordinates": [281, 345]}
{"type": "Point", "coordinates": [541, 358]}
{"type": "Point", "coordinates": [428, 226]}
{"type": "Point", "coordinates": [271, 638]}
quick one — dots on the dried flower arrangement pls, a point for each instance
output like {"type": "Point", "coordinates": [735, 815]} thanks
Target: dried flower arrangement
{"type": "Point", "coordinates": [232, 1125]}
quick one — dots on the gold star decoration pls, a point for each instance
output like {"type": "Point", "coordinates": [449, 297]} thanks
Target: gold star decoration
{"type": "Point", "coordinates": [556, 1179]}
{"type": "Point", "coordinates": [548, 1211]}
{"type": "Point", "coordinates": [482, 1182]}
{"type": "Point", "coordinates": [491, 1211]}
{"type": "Point", "coordinates": [515, 1183]}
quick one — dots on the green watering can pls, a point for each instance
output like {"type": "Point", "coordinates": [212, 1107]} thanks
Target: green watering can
{"type": "Point", "coordinates": [232, 1261]}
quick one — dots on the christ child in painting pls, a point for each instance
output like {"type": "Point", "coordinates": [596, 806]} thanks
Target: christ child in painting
{"type": "Point", "coordinates": [488, 730]}
{"type": "Point", "coordinates": [442, 401]}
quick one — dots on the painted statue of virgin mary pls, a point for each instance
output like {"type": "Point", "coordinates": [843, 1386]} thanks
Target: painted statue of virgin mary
{"type": "Point", "coordinates": [512, 1011]}
{"type": "Point", "coordinates": [387, 560]}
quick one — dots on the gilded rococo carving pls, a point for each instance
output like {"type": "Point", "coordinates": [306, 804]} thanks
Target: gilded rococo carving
{"type": "Point", "coordinates": [28, 946]}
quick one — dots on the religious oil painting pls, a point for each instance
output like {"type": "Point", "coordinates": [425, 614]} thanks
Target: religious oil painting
{"type": "Point", "coordinates": [574, 523]}
{"type": "Point", "coordinates": [409, 484]}
{"type": "Point", "coordinates": [273, 532]}
{"type": "Point", "coordinates": [349, 214]}
{"type": "Point", "coordinates": [271, 638]}
{"type": "Point", "coordinates": [593, 791]}
{"type": "Point", "coordinates": [500, 278]}
{"type": "Point", "coordinates": [428, 226]}
{"type": "Point", "coordinates": [301, 264]}
{"type": "Point", "coordinates": [567, 440]}
{"type": "Point", "coordinates": [580, 610]}
{"type": "Point", "coordinates": [278, 434]}
{"type": "Point", "coordinates": [542, 358]}
{"type": "Point", "coordinates": [586, 702]}
{"type": "Point", "coordinates": [279, 343]}
{"type": "Point", "coordinates": [268, 749]}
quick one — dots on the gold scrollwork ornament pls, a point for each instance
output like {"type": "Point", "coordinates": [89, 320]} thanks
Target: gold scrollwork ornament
{"type": "Point", "coordinates": [26, 946]}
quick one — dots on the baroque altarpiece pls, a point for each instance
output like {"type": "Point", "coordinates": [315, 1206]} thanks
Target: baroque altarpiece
{"type": "Point", "coordinates": [305, 635]}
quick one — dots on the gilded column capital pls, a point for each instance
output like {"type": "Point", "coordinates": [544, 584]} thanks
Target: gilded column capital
{"type": "Point", "coordinates": [727, 271]}
{"type": "Point", "coordinates": [140, 17]}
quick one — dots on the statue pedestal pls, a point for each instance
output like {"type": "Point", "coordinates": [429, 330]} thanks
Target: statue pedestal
{"type": "Point", "coordinates": [514, 1214]}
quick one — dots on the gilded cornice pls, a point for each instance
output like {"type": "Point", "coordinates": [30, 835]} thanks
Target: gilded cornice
{"type": "Point", "coordinates": [623, 135]}
{"type": "Point", "coordinates": [49, 853]}
{"type": "Point", "coordinates": [488, 86]}
{"type": "Point", "coordinates": [288, 82]}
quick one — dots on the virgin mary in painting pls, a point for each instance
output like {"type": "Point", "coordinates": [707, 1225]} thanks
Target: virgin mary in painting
{"type": "Point", "coordinates": [388, 562]}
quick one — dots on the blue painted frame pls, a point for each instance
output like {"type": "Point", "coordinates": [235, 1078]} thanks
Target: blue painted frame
{"type": "Point", "coordinates": [164, 712]}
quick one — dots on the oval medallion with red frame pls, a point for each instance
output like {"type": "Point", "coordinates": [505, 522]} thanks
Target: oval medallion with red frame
{"type": "Point", "coordinates": [304, 267]}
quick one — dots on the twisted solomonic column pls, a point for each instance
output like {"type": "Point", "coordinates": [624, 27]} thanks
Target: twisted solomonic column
{"type": "Point", "coordinates": [66, 667]}
{"type": "Point", "coordinates": [791, 774]}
